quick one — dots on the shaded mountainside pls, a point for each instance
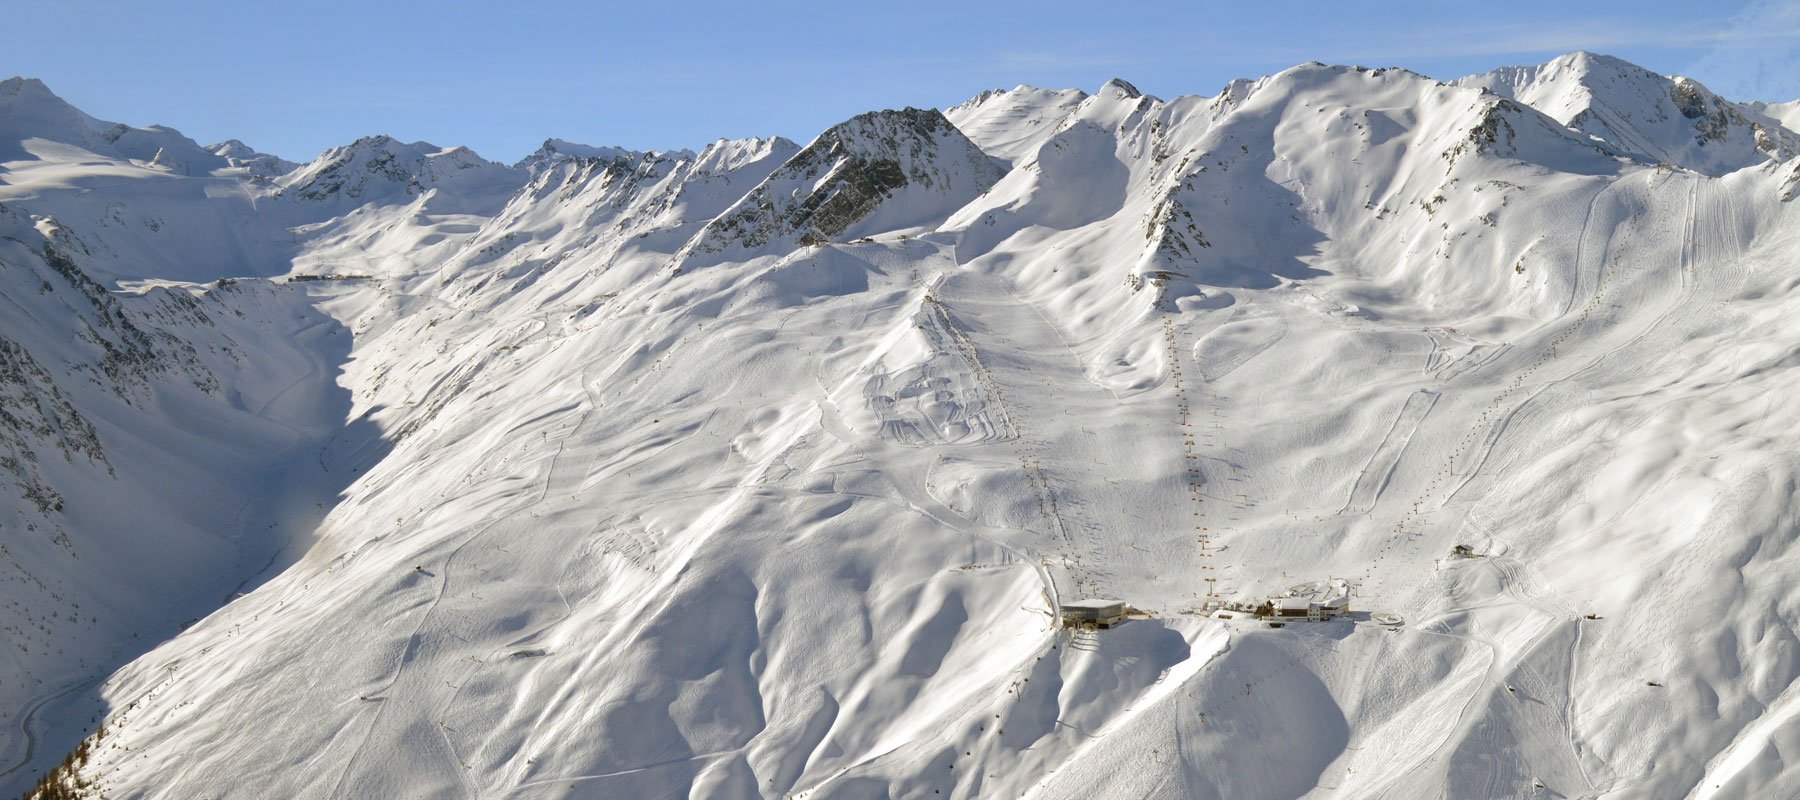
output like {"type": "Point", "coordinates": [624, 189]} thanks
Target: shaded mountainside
{"type": "Point", "coordinates": [762, 471]}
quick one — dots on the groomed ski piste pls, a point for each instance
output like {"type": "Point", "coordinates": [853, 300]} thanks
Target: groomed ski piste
{"type": "Point", "coordinates": [764, 471]}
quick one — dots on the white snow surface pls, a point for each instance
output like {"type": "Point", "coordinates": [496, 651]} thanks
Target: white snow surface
{"type": "Point", "coordinates": [1010, 124]}
{"type": "Point", "coordinates": [1672, 120]}
{"type": "Point", "coordinates": [1787, 114]}
{"type": "Point", "coordinates": [760, 472]}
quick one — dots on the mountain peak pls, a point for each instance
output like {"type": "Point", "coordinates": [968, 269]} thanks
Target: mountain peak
{"type": "Point", "coordinates": [379, 166]}
{"type": "Point", "coordinates": [887, 126]}
{"type": "Point", "coordinates": [1587, 59]}
{"type": "Point", "coordinates": [1010, 123]}
{"type": "Point", "coordinates": [29, 110]}
{"type": "Point", "coordinates": [19, 85]}
{"type": "Point", "coordinates": [725, 155]}
{"type": "Point", "coordinates": [258, 164]}
{"type": "Point", "coordinates": [850, 181]}
{"type": "Point", "coordinates": [233, 147]}
{"type": "Point", "coordinates": [555, 151]}
{"type": "Point", "coordinates": [1121, 87]}
{"type": "Point", "coordinates": [1670, 120]}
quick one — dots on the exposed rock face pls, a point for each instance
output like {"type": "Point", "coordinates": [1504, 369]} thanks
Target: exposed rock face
{"type": "Point", "coordinates": [34, 412]}
{"type": "Point", "coordinates": [879, 171]}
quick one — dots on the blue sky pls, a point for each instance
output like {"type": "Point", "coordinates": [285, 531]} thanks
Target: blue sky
{"type": "Point", "coordinates": [294, 77]}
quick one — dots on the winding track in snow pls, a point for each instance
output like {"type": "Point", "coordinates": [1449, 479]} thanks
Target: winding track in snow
{"type": "Point", "coordinates": [29, 716]}
{"type": "Point", "coordinates": [413, 639]}
{"type": "Point", "coordinates": [316, 369]}
{"type": "Point", "coordinates": [1513, 572]}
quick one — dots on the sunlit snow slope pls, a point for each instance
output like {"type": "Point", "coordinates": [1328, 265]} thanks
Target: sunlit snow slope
{"type": "Point", "coordinates": [761, 471]}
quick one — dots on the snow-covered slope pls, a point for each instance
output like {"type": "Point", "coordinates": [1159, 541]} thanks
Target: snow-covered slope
{"type": "Point", "coordinates": [36, 124]}
{"type": "Point", "coordinates": [762, 471]}
{"type": "Point", "coordinates": [1788, 114]}
{"type": "Point", "coordinates": [1671, 120]}
{"type": "Point", "coordinates": [1010, 124]}
{"type": "Point", "coordinates": [159, 447]}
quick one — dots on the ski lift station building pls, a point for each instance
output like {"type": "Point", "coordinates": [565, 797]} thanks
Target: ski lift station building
{"type": "Point", "coordinates": [1317, 601]}
{"type": "Point", "coordinates": [1092, 613]}
{"type": "Point", "coordinates": [1313, 609]}
{"type": "Point", "coordinates": [1291, 607]}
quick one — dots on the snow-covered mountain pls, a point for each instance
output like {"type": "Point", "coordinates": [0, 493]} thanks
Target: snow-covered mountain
{"type": "Point", "coordinates": [880, 172]}
{"type": "Point", "coordinates": [379, 169]}
{"type": "Point", "coordinates": [1672, 120]}
{"type": "Point", "coordinates": [258, 165]}
{"type": "Point", "coordinates": [1010, 124]}
{"type": "Point", "coordinates": [36, 124]}
{"type": "Point", "coordinates": [764, 471]}
{"type": "Point", "coordinates": [1787, 114]}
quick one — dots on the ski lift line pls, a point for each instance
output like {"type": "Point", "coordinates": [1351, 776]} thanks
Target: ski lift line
{"type": "Point", "coordinates": [1191, 458]}
{"type": "Point", "coordinates": [1049, 504]}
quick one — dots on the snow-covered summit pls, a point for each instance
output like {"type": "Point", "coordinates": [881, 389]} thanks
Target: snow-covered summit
{"type": "Point", "coordinates": [1012, 123]}
{"type": "Point", "coordinates": [722, 173]}
{"type": "Point", "coordinates": [1787, 114]}
{"type": "Point", "coordinates": [556, 151]}
{"type": "Point", "coordinates": [1120, 88]}
{"type": "Point", "coordinates": [29, 110]}
{"type": "Point", "coordinates": [381, 168]}
{"type": "Point", "coordinates": [243, 156]}
{"type": "Point", "coordinates": [36, 124]}
{"type": "Point", "coordinates": [1670, 120]}
{"type": "Point", "coordinates": [724, 155]}
{"type": "Point", "coordinates": [876, 172]}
